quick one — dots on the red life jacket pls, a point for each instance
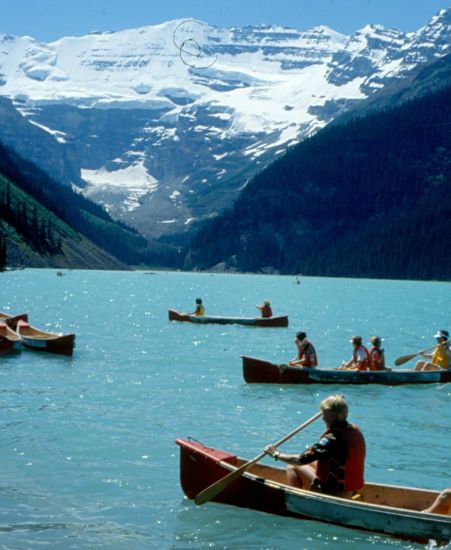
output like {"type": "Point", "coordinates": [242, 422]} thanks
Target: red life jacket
{"type": "Point", "coordinates": [349, 474]}
{"type": "Point", "coordinates": [308, 355]}
{"type": "Point", "coordinates": [366, 362]}
{"type": "Point", "coordinates": [266, 311]}
{"type": "Point", "coordinates": [377, 359]}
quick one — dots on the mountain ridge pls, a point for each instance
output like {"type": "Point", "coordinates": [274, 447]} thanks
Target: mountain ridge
{"type": "Point", "coordinates": [369, 197]}
{"type": "Point", "coordinates": [163, 144]}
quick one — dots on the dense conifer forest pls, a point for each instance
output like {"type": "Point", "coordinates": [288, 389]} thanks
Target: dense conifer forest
{"type": "Point", "coordinates": [370, 198]}
{"type": "Point", "coordinates": [37, 227]}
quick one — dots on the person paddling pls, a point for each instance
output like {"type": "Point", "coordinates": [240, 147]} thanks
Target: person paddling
{"type": "Point", "coordinates": [200, 309]}
{"type": "Point", "coordinates": [335, 464]}
{"type": "Point", "coordinates": [440, 357]}
{"type": "Point", "coordinates": [265, 309]}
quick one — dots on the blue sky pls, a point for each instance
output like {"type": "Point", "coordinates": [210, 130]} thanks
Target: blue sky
{"type": "Point", "coordinates": [48, 20]}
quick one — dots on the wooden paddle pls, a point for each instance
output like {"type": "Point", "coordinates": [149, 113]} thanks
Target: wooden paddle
{"type": "Point", "coordinates": [218, 486]}
{"type": "Point", "coordinates": [404, 358]}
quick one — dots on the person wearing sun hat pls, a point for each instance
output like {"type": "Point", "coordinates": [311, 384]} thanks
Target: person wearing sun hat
{"type": "Point", "coordinates": [440, 358]}
{"type": "Point", "coordinates": [360, 359]}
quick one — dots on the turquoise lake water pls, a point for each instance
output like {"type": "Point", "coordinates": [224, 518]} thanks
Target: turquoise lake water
{"type": "Point", "coordinates": [88, 458]}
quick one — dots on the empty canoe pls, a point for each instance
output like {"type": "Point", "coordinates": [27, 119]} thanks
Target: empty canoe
{"type": "Point", "coordinates": [41, 340]}
{"type": "Point", "coordinates": [11, 320]}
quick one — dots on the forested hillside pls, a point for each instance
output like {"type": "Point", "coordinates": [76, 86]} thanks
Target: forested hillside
{"type": "Point", "coordinates": [43, 223]}
{"type": "Point", "coordinates": [370, 198]}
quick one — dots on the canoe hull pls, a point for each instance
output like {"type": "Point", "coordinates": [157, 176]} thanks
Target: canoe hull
{"type": "Point", "coordinates": [9, 339]}
{"type": "Point", "coordinates": [64, 345]}
{"type": "Point", "coordinates": [6, 346]}
{"type": "Point", "coordinates": [201, 466]}
{"type": "Point", "coordinates": [265, 372]}
{"type": "Point", "coordinates": [40, 340]}
{"type": "Point", "coordinates": [248, 321]}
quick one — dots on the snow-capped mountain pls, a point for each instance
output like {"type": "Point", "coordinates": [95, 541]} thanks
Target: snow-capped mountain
{"type": "Point", "coordinates": [164, 124]}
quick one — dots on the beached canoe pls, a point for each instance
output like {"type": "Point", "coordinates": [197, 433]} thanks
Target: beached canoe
{"type": "Point", "coordinates": [11, 320]}
{"type": "Point", "coordinates": [249, 321]}
{"type": "Point", "coordinates": [34, 338]}
{"type": "Point", "coordinates": [265, 372]}
{"type": "Point", "coordinates": [388, 509]}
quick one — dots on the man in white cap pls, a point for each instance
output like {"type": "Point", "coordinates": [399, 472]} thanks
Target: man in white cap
{"type": "Point", "coordinates": [440, 357]}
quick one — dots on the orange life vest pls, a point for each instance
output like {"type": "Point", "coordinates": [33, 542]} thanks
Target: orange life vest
{"type": "Point", "coordinates": [377, 359]}
{"type": "Point", "coordinates": [266, 311]}
{"type": "Point", "coordinates": [351, 473]}
{"type": "Point", "coordinates": [366, 362]}
{"type": "Point", "coordinates": [308, 355]}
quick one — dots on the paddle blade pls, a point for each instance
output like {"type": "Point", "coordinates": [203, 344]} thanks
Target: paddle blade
{"type": "Point", "coordinates": [404, 358]}
{"type": "Point", "coordinates": [218, 486]}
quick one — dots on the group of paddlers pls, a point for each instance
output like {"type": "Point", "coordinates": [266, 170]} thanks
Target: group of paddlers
{"type": "Point", "coordinates": [362, 357]}
{"type": "Point", "coordinates": [335, 464]}
{"type": "Point", "coordinates": [373, 358]}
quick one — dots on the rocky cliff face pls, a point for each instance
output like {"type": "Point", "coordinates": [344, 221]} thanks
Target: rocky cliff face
{"type": "Point", "coordinates": [164, 125]}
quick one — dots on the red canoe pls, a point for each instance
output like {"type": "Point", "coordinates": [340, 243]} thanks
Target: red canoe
{"type": "Point", "coordinates": [388, 509]}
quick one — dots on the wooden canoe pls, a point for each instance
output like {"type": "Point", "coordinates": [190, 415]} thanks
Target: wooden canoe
{"type": "Point", "coordinates": [9, 339]}
{"type": "Point", "coordinates": [249, 321]}
{"type": "Point", "coordinates": [388, 509]}
{"type": "Point", "coordinates": [11, 320]}
{"type": "Point", "coordinates": [34, 338]}
{"type": "Point", "coordinates": [265, 372]}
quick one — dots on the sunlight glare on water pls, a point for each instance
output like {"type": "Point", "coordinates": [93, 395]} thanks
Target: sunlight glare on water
{"type": "Point", "coordinates": [88, 456]}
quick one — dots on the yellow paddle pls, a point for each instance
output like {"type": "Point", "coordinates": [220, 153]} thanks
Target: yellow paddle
{"type": "Point", "coordinates": [404, 358]}
{"type": "Point", "coordinates": [218, 486]}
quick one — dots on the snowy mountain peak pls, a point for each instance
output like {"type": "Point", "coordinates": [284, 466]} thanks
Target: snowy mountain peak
{"type": "Point", "coordinates": [163, 124]}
